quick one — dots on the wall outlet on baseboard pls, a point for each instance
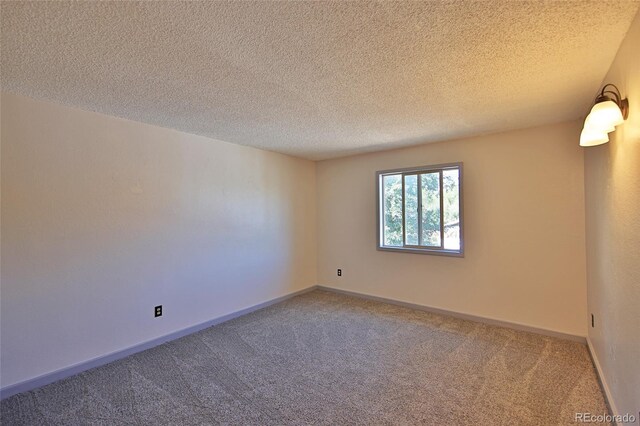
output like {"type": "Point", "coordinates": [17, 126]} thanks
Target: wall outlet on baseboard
{"type": "Point", "coordinates": [339, 272]}
{"type": "Point", "coordinates": [157, 311]}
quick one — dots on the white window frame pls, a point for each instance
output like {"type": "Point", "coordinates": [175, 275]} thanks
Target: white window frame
{"type": "Point", "coordinates": [441, 251]}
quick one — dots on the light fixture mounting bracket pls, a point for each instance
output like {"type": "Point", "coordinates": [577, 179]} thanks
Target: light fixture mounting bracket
{"type": "Point", "coordinates": [624, 107]}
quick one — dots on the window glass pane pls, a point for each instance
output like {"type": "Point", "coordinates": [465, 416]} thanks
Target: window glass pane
{"type": "Point", "coordinates": [430, 209]}
{"type": "Point", "coordinates": [420, 209]}
{"type": "Point", "coordinates": [411, 209]}
{"type": "Point", "coordinates": [392, 209]}
{"type": "Point", "coordinates": [451, 190]}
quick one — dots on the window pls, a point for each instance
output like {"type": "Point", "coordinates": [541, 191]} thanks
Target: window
{"type": "Point", "coordinates": [420, 210]}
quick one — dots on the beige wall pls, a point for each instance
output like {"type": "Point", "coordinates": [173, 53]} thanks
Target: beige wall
{"type": "Point", "coordinates": [103, 218]}
{"type": "Point", "coordinates": [524, 230]}
{"type": "Point", "coordinates": [612, 187]}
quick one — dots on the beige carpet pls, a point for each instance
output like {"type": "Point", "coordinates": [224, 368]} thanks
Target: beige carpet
{"type": "Point", "coordinates": [324, 358]}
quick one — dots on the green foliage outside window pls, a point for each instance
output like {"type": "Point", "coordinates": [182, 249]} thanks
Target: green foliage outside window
{"type": "Point", "coordinates": [431, 229]}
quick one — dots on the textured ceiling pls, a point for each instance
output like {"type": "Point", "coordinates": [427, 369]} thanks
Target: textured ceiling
{"type": "Point", "coordinates": [317, 79]}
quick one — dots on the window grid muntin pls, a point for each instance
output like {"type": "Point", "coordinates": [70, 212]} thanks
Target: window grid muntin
{"type": "Point", "coordinates": [418, 175]}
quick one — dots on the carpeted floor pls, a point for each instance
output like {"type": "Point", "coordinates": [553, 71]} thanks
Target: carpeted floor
{"type": "Point", "coordinates": [324, 358]}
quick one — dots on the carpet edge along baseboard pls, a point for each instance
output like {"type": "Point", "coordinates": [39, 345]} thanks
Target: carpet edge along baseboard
{"type": "Point", "coordinates": [65, 372]}
{"type": "Point", "coordinates": [460, 315]}
{"type": "Point", "coordinates": [74, 369]}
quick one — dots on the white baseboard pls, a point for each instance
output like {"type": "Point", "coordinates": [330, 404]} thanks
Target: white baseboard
{"type": "Point", "coordinates": [72, 370]}
{"type": "Point", "coordinates": [603, 381]}
{"type": "Point", "coordinates": [475, 318]}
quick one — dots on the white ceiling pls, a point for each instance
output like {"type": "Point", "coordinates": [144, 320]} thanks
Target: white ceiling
{"type": "Point", "coordinates": [317, 79]}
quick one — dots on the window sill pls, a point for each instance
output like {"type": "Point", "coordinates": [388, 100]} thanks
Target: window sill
{"type": "Point", "coordinates": [437, 252]}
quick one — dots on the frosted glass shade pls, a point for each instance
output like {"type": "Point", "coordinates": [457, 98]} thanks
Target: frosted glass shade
{"type": "Point", "coordinates": [605, 115]}
{"type": "Point", "coordinates": [592, 123]}
{"type": "Point", "coordinates": [593, 137]}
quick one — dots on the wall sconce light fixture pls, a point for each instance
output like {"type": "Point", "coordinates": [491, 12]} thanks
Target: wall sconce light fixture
{"type": "Point", "coordinates": [609, 111]}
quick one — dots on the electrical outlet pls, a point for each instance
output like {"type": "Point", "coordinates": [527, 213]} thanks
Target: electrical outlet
{"type": "Point", "coordinates": [593, 321]}
{"type": "Point", "coordinates": [158, 311]}
{"type": "Point", "coordinates": [339, 272]}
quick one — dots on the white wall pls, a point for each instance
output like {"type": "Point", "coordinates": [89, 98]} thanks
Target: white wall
{"type": "Point", "coordinates": [524, 230]}
{"type": "Point", "coordinates": [104, 218]}
{"type": "Point", "coordinates": [612, 187]}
